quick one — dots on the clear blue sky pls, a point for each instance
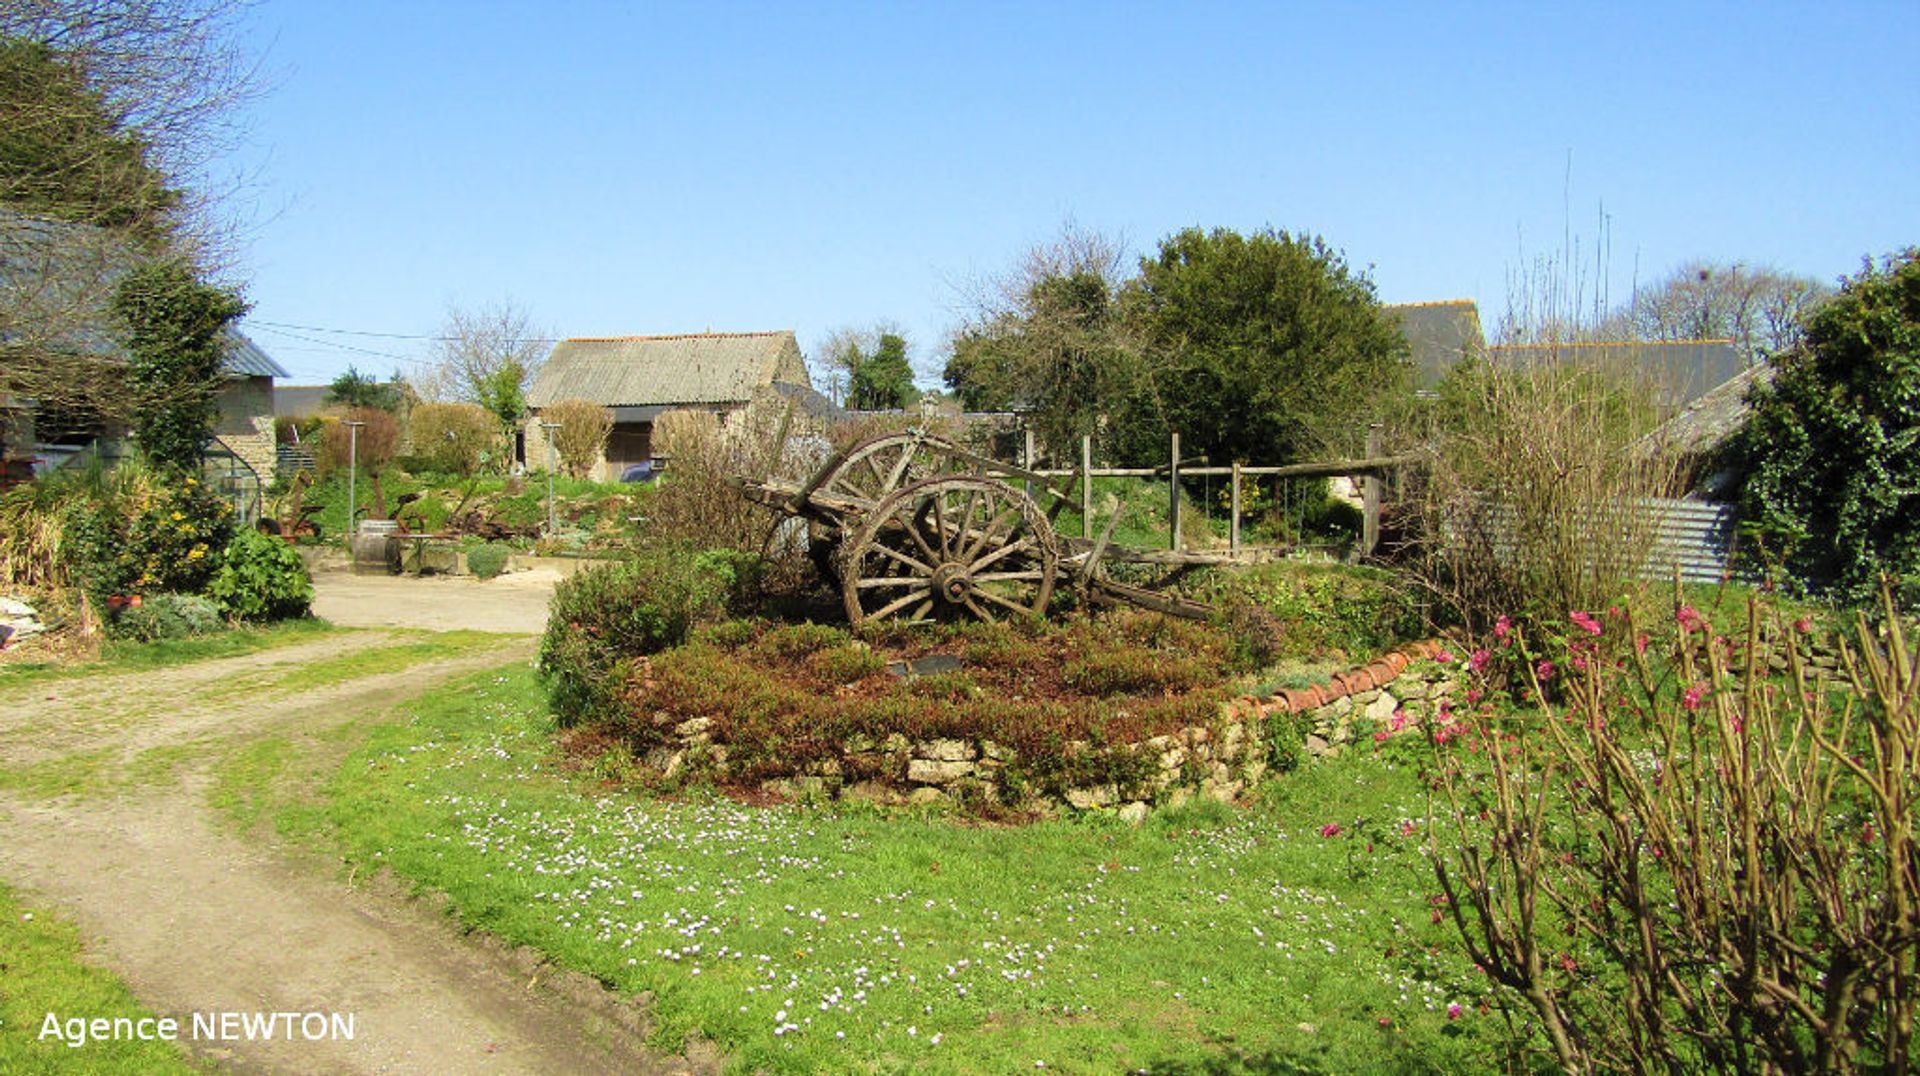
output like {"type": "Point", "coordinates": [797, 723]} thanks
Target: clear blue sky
{"type": "Point", "coordinates": [652, 168]}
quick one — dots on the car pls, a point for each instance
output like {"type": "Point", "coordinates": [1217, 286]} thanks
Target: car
{"type": "Point", "coordinates": [644, 471]}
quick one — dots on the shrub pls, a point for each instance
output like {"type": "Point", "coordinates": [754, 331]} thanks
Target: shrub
{"type": "Point", "coordinates": [604, 617]}
{"type": "Point", "coordinates": [489, 560]}
{"type": "Point", "coordinates": [425, 514]}
{"type": "Point", "coordinates": [583, 431]}
{"type": "Point", "coordinates": [454, 438]}
{"type": "Point", "coordinates": [261, 578]}
{"type": "Point", "coordinates": [1705, 871]}
{"type": "Point", "coordinates": [1300, 610]}
{"type": "Point", "coordinates": [133, 537]}
{"type": "Point", "coordinates": [169, 616]}
{"type": "Point", "coordinates": [1532, 504]}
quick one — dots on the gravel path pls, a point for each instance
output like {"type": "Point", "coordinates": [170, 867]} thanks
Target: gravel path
{"type": "Point", "coordinates": [199, 919]}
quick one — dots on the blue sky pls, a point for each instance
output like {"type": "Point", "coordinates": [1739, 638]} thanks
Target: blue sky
{"type": "Point", "coordinates": [648, 168]}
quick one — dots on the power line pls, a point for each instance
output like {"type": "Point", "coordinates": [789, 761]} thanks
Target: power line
{"type": "Point", "coordinates": [385, 336]}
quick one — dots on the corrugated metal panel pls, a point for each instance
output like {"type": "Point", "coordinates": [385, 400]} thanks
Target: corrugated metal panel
{"type": "Point", "coordinates": [1696, 537]}
{"type": "Point", "coordinates": [245, 359]}
{"type": "Point", "coordinates": [636, 371]}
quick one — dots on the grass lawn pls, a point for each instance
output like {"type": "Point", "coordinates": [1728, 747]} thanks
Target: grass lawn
{"type": "Point", "coordinates": [41, 972]}
{"type": "Point", "coordinates": [802, 939]}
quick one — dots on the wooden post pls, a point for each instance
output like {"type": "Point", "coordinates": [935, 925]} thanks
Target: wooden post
{"type": "Point", "coordinates": [1086, 486]}
{"type": "Point", "coordinates": [1370, 498]}
{"type": "Point", "coordinates": [1026, 460]}
{"type": "Point", "coordinates": [1173, 494]}
{"type": "Point", "coordinates": [1233, 529]}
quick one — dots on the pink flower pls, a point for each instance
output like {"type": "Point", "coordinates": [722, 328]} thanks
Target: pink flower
{"type": "Point", "coordinates": [1474, 695]}
{"type": "Point", "coordinates": [1477, 661]}
{"type": "Point", "coordinates": [1692, 697]}
{"type": "Point", "coordinates": [1803, 625]}
{"type": "Point", "coordinates": [1690, 619]}
{"type": "Point", "coordinates": [1406, 827]}
{"type": "Point", "coordinates": [1379, 737]}
{"type": "Point", "coordinates": [1544, 670]}
{"type": "Point", "coordinates": [1640, 643]}
{"type": "Point", "coordinates": [1454, 1010]}
{"type": "Point", "coordinates": [1386, 1021]}
{"type": "Point", "coordinates": [1331, 829]}
{"type": "Point", "coordinates": [1444, 657]}
{"type": "Point", "coordinates": [1584, 622]}
{"type": "Point", "coordinates": [1501, 628]}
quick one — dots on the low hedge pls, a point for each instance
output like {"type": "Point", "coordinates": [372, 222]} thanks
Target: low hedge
{"type": "Point", "coordinates": [604, 617]}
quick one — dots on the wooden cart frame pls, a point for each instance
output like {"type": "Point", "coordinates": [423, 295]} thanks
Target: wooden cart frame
{"type": "Point", "coordinates": [914, 527]}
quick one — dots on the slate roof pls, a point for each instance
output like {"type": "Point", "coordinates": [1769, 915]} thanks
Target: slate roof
{"type": "Point", "coordinates": [83, 264]}
{"type": "Point", "coordinates": [1716, 416]}
{"type": "Point", "coordinates": [1440, 334]}
{"type": "Point", "coordinates": [692, 368]}
{"type": "Point", "coordinates": [1683, 370]}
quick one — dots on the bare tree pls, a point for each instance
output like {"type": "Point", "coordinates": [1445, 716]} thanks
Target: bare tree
{"type": "Point", "coordinates": [1761, 309]}
{"type": "Point", "coordinates": [476, 344]}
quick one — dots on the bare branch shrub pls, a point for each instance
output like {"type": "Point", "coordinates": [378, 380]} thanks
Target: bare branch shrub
{"type": "Point", "coordinates": [1683, 867]}
{"type": "Point", "coordinates": [696, 503]}
{"type": "Point", "coordinates": [371, 451]}
{"type": "Point", "coordinates": [1533, 502]}
{"type": "Point", "coordinates": [584, 426]}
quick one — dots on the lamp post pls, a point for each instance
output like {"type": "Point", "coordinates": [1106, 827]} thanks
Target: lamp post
{"type": "Point", "coordinates": [550, 427]}
{"type": "Point", "coordinates": [353, 466]}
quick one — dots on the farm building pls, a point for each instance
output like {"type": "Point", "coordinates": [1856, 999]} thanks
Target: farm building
{"type": "Point", "coordinates": [1440, 335]}
{"type": "Point", "coordinates": [1680, 371]}
{"type": "Point", "coordinates": [640, 378]}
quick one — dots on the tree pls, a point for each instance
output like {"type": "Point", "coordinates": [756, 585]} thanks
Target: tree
{"type": "Point", "coordinates": [486, 356]}
{"type": "Point", "coordinates": [1832, 446]}
{"type": "Point", "coordinates": [355, 389]}
{"type": "Point", "coordinates": [110, 113]}
{"type": "Point", "coordinates": [176, 336]}
{"type": "Point", "coordinates": [883, 380]}
{"type": "Point", "coordinates": [1050, 339]}
{"type": "Point", "coordinates": [1265, 347]}
{"type": "Point", "coordinates": [1762, 310]}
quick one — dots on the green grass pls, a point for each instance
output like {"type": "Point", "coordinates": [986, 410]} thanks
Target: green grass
{"type": "Point", "coordinates": [41, 972]}
{"type": "Point", "coordinates": [124, 657]}
{"type": "Point", "coordinates": [802, 939]}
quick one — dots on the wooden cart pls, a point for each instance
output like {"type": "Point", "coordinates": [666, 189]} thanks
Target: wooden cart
{"type": "Point", "coordinates": [913, 527]}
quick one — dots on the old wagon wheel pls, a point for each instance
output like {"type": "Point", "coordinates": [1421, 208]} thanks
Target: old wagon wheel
{"type": "Point", "coordinates": [948, 547]}
{"type": "Point", "coordinates": [870, 471]}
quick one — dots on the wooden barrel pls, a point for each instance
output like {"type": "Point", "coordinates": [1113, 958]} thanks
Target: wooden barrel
{"type": "Point", "coordinates": [376, 547]}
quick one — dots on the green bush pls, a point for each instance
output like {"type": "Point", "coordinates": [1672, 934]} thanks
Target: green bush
{"type": "Point", "coordinates": [169, 616]}
{"type": "Point", "coordinates": [1317, 610]}
{"type": "Point", "coordinates": [426, 514]}
{"type": "Point", "coordinates": [261, 578]}
{"type": "Point", "coordinates": [489, 560]}
{"type": "Point", "coordinates": [604, 617]}
{"type": "Point", "coordinates": [153, 540]}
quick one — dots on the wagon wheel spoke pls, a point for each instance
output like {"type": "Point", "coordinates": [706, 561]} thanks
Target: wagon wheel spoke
{"type": "Point", "coordinates": [1004, 551]}
{"type": "Point", "coordinates": [991, 530]}
{"type": "Point", "coordinates": [940, 521]}
{"type": "Point", "coordinates": [900, 603]}
{"type": "Point", "coordinates": [913, 532]}
{"type": "Point", "coordinates": [980, 611]}
{"type": "Point", "coordinates": [916, 566]}
{"type": "Point", "coordinates": [1009, 577]}
{"type": "Point", "coordinates": [872, 581]}
{"type": "Point", "coordinates": [1023, 610]}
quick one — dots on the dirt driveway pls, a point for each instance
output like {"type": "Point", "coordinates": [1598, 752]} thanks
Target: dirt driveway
{"type": "Point", "coordinates": [198, 918]}
{"type": "Point", "coordinates": [515, 602]}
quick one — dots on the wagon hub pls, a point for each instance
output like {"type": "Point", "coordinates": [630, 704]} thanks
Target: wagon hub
{"type": "Point", "coordinates": [952, 582]}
